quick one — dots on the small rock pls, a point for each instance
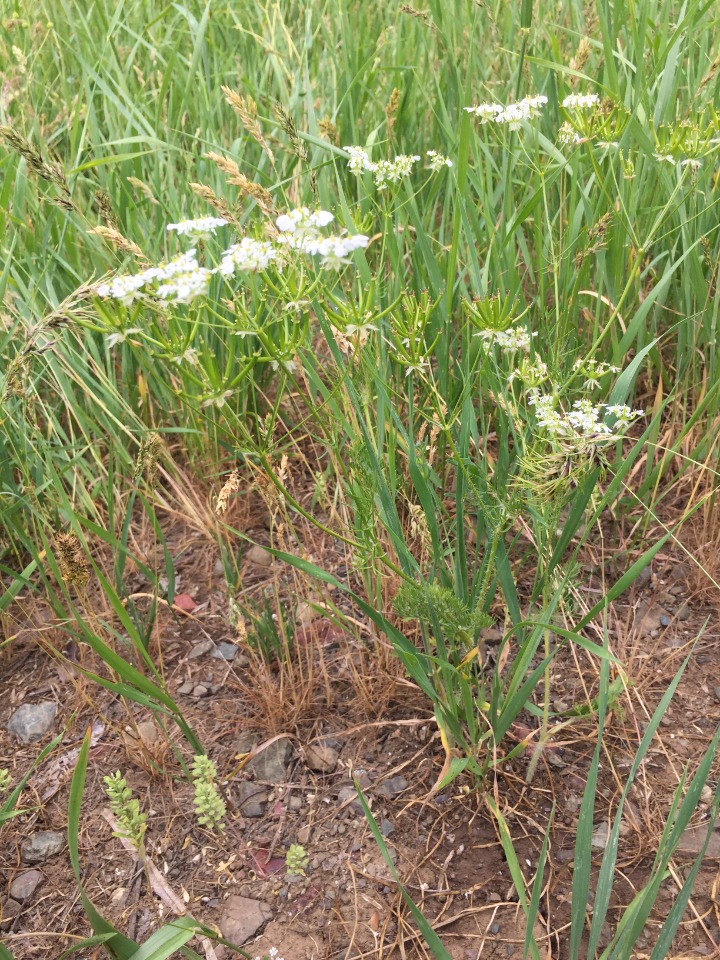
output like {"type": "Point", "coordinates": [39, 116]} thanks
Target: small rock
{"type": "Point", "coordinates": [186, 688]}
{"type": "Point", "coordinates": [303, 835]}
{"type": "Point", "coordinates": [683, 613]}
{"type": "Point", "coordinates": [200, 649]}
{"type": "Point", "coordinates": [41, 845]}
{"type": "Point", "coordinates": [200, 690]}
{"type": "Point", "coordinates": [649, 618]}
{"type": "Point", "coordinates": [386, 827]}
{"type": "Point", "coordinates": [349, 793]}
{"type": "Point", "coordinates": [600, 836]}
{"type": "Point", "coordinates": [224, 651]}
{"type": "Point", "coordinates": [24, 886]}
{"type": "Point", "coordinates": [32, 721]}
{"type": "Point", "coordinates": [559, 706]}
{"type": "Point", "coordinates": [10, 909]}
{"type": "Point", "coordinates": [294, 804]}
{"type": "Point", "coordinates": [495, 928]}
{"type": "Point", "coordinates": [272, 763]}
{"type": "Point", "coordinates": [242, 917]}
{"type": "Point", "coordinates": [322, 757]}
{"type": "Point", "coordinates": [664, 620]}
{"type": "Point", "coordinates": [259, 556]}
{"type": "Point", "coordinates": [305, 614]}
{"type": "Point", "coordinates": [693, 838]}
{"type": "Point", "coordinates": [393, 787]}
{"type": "Point", "coordinates": [252, 798]}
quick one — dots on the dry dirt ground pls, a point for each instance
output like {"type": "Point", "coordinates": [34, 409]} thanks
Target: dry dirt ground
{"type": "Point", "coordinates": [339, 707]}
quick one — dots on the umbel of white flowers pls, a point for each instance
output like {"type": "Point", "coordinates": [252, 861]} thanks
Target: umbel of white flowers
{"type": "Point", "coordinates": [183, 279]}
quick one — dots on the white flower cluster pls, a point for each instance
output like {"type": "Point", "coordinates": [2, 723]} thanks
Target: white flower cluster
{"type": "Point", "coordinates": [197, 229]}
{"type": "Point", "coordinates": [384, 171]}
{"type": "Point", "coordinates": [182, 280]}
{"type": "Point", "coordinates": [513, 114]}
{"type": "Point", "coordinates": [585, 420]}
{"type": "Point", "coordinates": [436, 161]}
{"type": "Point", "coordinates": [516, 338]}
{"type": "Point", "coordinates": [300, 230]}
{"type": "Point", "coordinates": [581, 101]}
{"type": "Point", "coordinates": [568, 135]}
{"type": "Point", "coordinates": [249, 255]}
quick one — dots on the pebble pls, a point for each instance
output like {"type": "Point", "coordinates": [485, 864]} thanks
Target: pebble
{"type": "Point", "coordinates": [349, 793]}
{"type": "Point", "coordinates": [322, 757]}
{"type": "Point", "coordinates": [273, 762]}
{"type": "Point", "coordinates": [10, 909]}
{"type": "Point", "coordinates": [200, 649]}
{"type": "Point", "coordinates": [495, 928]}
{"type": "Point", "coordinates": [41, 845]}
{"type": "Point", "coordinates": [692, 840]}
{"type": "Point", "coordinates": [294, 804]}
{"type": "Point", "coordinates": [24, 886]}
{"type": "Point", "coordinates": [386, 827]}
{"type": "Point", "coordinates": [224, 651]}
{"type": "Point", "coordinates": [664, 620]}
{"type": "Point", "coordinates": [716, 692]}
{"type": "Point", "coordinates": [31, 721]}
{"type": "Point", "coordinates": [200, 690]}
{"type": "Point", "coordinates": [252, 799]}
{"type": "Point", "coordinates": [241, 918]}
{"type": "Point", "coordinates": [683, 613]}
{"type": "Point", "coordinates": [600, 836]}
{"type": "Point", "coordinates": [393, 787]}
{"type": "Point", "coordinates": [305, 614]}
{"type": "Point", "coordinates": [259, 556]}
{"type": "Point", "coordinates": [186, 688]}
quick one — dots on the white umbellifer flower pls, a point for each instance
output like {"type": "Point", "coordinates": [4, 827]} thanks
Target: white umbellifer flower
{"type": "Point", "coordinates": [665, 158]}
{"type": "Point", "coordinates": [359, 160]}
{"type": "Point", "coordinates": [120, 336]}
{"type": "Point", "coordinates": [392, 171]}
{"type": "Point", "coordinates": [301, 221]}
{"type": "Point", "coordinates": [125, 288]}
{"type": "Point", "coordinates": [581, 101]}
{"type": "Point", "coordinates": [623, 413]}
{"type": "Point", "coordinates": [249, 255]}
{"type": "Point", "coordinates": [185, 287]}
{"type": "Point", "coordinates": [514, 339]}
{"type": "Point", "coordinates": [197, 229]}
{"type": "Point", "coordinates": [436, 161]}
{"type": "Point", "coordinates": [186, 263]}
{"type": "Point", "coordinates": [593, 370]}
{"type": "Point", "coordinates": [584, 418]}
{"type": "Point", "coordinates": [486, 112]}
{"type": "Point", "coordinates": [334, 251]}
{"type": "Point", "coordinates": [567, 135]}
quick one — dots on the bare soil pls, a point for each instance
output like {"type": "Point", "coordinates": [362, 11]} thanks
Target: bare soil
{"type": "Point", "coordinates": [341, 684]}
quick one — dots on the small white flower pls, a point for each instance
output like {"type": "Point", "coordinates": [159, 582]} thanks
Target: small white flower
{"type": "Point", "coordinates": [579, 101]}
{"type": "Point", "coordinates": [249, 255]}
{"type": "Point", "coordinates": [436, 161]}
{"type": "Point", "coordinates": [359, 160]}
{"type": "Point", "coordinates": [486, 112]}
{"type": "Point", "coordinates": [516, 338]}
{"type": "Point", "coordinates": [186, 287]}
{"type": "Point", "coordinates": [197, 229]}
{"type": "Point", "coordinates": [567, 135]}
{"type": "Point", "coordinates": [120, 336]}
{"type": "Point", "coordinates": [300, 221]}
{"type": "Point", "coordinates": [125, 288]}
{"type": "Point", "coordinates": [665, 158]}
